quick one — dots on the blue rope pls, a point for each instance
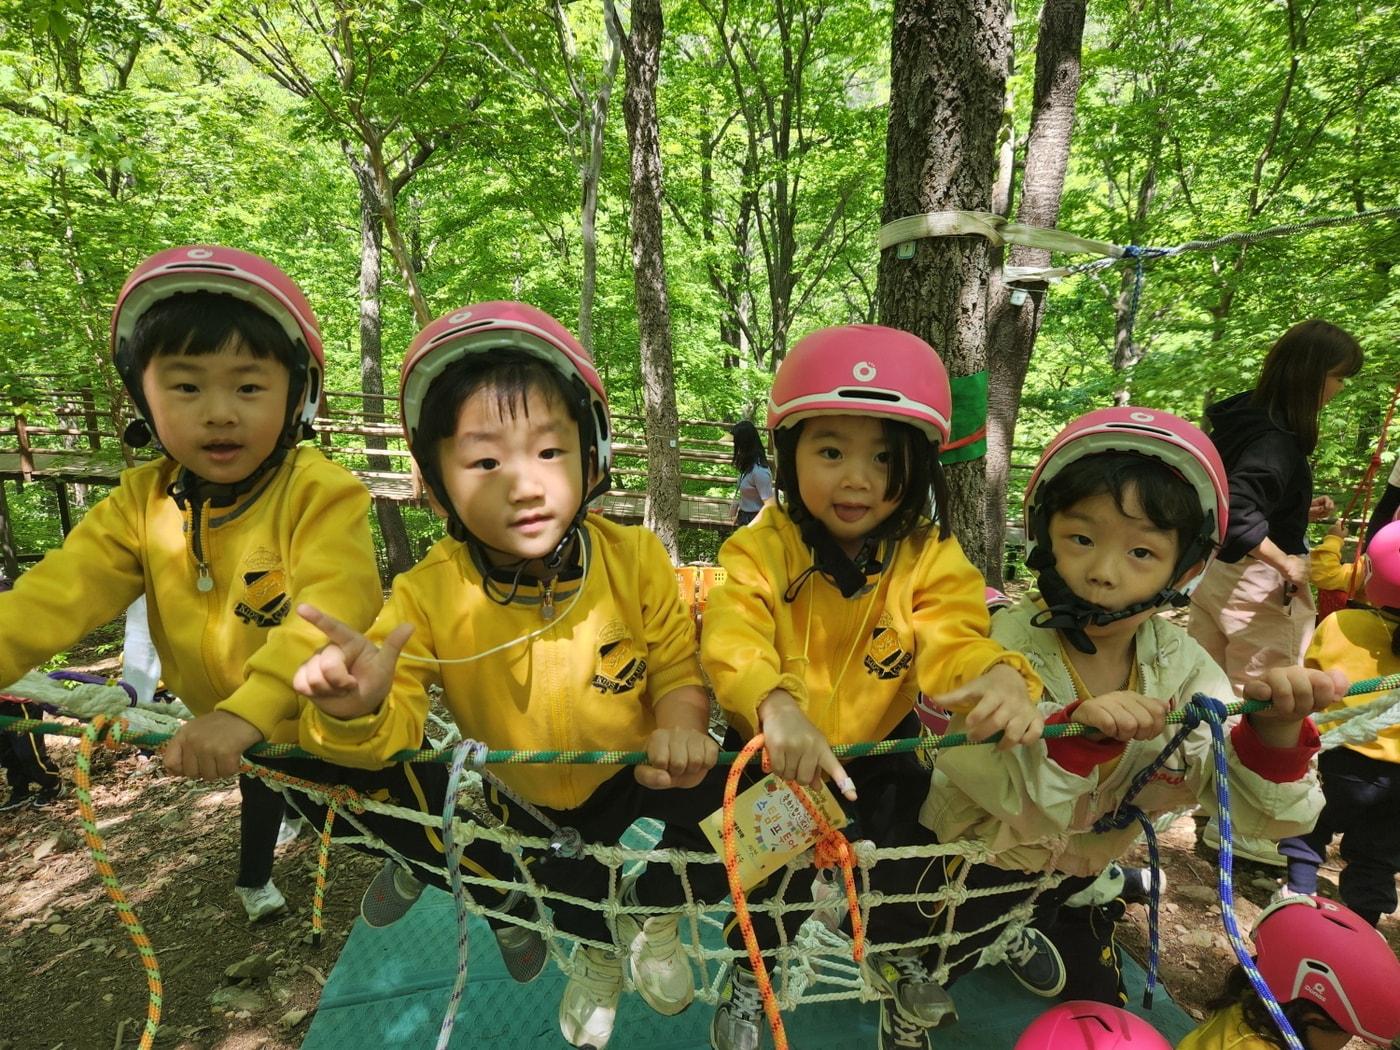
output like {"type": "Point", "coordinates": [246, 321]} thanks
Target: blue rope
{"type": "Point", "coordinates": [1125, 814]}
{"type": "Point", "coordinates": [1212, 712]}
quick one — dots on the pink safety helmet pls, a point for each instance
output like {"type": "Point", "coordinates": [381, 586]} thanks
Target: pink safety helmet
{"type": "Point", "coordinates": [1383, 567]}
{"type": "Point", "coordinates": [1182, 446]}
{"type": "Point", "coordinates": [229, 271]}
{"type": "Point", "coordinates": [863, 370]}
{"type": "Point", "coordinates": [1090, 1026]}
{"type": "Point", "coordinates": [501, 325]}
{"type": "Point", "coordinates": [1315, 949]}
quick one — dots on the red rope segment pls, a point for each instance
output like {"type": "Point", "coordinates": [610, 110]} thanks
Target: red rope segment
{"type": "Point", "coordinates": [831, 849]}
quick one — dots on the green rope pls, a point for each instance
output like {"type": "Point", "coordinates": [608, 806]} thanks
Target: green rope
{"type": "Point", "coordinates": [635, 758]}
{"type": "Point", "coordinates": [606, 758]}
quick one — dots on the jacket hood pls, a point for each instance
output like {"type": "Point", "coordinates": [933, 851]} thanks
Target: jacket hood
{"type": "Point", "coordinates": [1235, 424]}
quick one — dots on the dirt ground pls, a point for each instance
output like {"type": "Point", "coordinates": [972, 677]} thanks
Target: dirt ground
{"type": "Point", "coordinates": [73, 980]}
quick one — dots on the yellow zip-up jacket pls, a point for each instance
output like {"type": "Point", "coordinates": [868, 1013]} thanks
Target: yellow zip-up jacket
{"type": "Point", "coordinates": [610, 644]}
{"type": "Point", "coordinates": [1328, 573]}
{"type": "Point", "coordinates": [300, 536]}
{"type": "Point", "coordinates": [855, 665]}
{"type": "Point", "coordinates": [1357, 643]}
{"type": "Point", "coordinates": [1225, 1030]}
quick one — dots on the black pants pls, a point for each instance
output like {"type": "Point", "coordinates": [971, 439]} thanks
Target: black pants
{"type": "Point", "coordinates": [606, 814]}
{"type": "Point", "coordinates": [1363, 806]}
{"type": "Point", "coordinates": [260, 818]}
{"type": "Point", "coordinates": [889, 791]}
{"type": "Point", "coordinates": [24, 756]}
{"type": "Point", "coordinates": [1083, 935]}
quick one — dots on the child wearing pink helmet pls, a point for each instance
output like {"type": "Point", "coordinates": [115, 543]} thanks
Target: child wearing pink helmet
{"type": "Point", "coordinates": [222, 358]}
{"type": "Point", "coordinates": [1333, 975]}
{"type": "Point", "coordinates": [546, 628]}
{"type": "Point", "coordinates": [839, 605]}
{"type": "Point", "coordinates": [1361, 781]}
{"type": "Point", "coordinates": [1123, 512]}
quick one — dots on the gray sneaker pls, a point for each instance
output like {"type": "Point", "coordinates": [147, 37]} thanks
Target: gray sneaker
{"type": "Point", "coordinates": [917, 997]}
{"type": "Point", "coordinates": [522, 949]}
{"type": "Point", "coordinates": [388, 898]}
{"type": "Point", "coordinates": [738, 1021]}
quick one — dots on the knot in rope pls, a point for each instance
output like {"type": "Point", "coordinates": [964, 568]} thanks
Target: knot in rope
{"type": "Point", "coordinates": [109, 731]}
{"type": "Point", "coordinates": [1204, 708]}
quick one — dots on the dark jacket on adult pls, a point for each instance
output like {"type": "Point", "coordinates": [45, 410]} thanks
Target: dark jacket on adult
{"type": "Point", "coordinates": [1271, 482]}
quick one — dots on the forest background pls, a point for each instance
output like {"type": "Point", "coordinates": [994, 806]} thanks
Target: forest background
{"type": "Point", "coordinates": [404, 157]}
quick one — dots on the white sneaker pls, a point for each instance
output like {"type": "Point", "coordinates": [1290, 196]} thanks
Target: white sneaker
{"type": "Point", "coordinates": [290, 829]}
{"type": "Point", "coordinates": [657, 961]}
{"type": "Point", "coordinates": [1246, 847]}
{"type": "Point", "coordinates": [261, 902]}
{"type": "Point", "coordinates": [588, 1007]}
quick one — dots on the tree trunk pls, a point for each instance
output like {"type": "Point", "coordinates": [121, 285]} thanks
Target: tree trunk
{"type": "Point", "coordinates": [592, 173]}
{"type": "Point", "coordinates": [1013, 328]}
{"type": "Point", "coordinates": [642, 50]}
{"type": "Point", "coordinates": [398, 557]}
{"type": "Point", "coordinates": [947, 88]}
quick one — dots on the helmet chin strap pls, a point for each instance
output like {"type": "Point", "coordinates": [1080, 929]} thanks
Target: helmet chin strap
{"type": "Point", "coordinates": [189, 488]}
{"type": "Point", "coordinates": [553, 561]}
{"type": "Point", "coordinates": [832, 562]}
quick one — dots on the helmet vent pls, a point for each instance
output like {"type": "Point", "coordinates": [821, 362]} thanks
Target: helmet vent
{"type": "Point", "coordinates": [866, 394]}
{"type": "Point", "coordinates": [204, 265]}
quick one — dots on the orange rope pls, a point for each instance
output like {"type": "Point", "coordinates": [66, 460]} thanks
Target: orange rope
{"type": "Point", "coordinates": [831, 849]}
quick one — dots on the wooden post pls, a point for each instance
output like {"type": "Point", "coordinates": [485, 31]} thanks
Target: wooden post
{"type": "Point", "coordinates": [65, 516]}
{"type": "Point", "coordinates": [90, 419]}
{"type": "Point", "coordinates": [8, 562]}
{"type": "Point", "coordinates": [26, 454]}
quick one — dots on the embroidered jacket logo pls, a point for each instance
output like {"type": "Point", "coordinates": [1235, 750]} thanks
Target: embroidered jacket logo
{"type": "Point", "coordinates": [619, 666]}
{"type": "Point", "coordinates": [885, 659]}
{"type": "Point", "coordinates": [264, 602]}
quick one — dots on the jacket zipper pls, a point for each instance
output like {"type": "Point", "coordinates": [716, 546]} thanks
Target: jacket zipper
{"type": "Point", "coordinates": [547, 601]}
{"type": "Point", "coordinates": [205, 581]}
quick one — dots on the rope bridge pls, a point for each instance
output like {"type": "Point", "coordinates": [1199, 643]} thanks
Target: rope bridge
{"type": "Point", "coordinates": [818, 964]}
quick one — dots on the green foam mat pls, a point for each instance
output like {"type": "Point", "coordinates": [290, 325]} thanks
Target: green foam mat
{"type": "Point", "coordinates": [390, 988]}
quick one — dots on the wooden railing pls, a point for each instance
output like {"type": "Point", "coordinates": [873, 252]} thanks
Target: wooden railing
{"type": "Point", "coordinates": [68, 435]}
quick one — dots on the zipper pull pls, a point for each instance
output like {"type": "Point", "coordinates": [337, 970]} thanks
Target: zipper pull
{"type": "Point", "coordinates": [205, 583]}
{"type": "Point", "coordinates": [547, 601]}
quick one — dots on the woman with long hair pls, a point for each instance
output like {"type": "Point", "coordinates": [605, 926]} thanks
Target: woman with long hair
{"type": "Point", "coordinates": [1254, 609]}
{"type": "Point", "coordinates": [755, 488]}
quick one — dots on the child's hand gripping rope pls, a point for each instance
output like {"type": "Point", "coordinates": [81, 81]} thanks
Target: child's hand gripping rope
{"type": "Point", "coordinates": [999, 702]}
{"type": "Point", "coordinates": [1294, 694]}
{"type": "Point", "coordinates": [351, 676]}
{"type": "Point", "coordinates": [797, 749]}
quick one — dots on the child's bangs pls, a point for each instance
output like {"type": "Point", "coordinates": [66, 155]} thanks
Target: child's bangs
{"type": "Point", "coordinates": [196, 324]}
{"type": "Point", "coordinates": [1166, 498]}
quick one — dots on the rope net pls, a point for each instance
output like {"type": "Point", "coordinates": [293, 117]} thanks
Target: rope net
{"type": "Point", "coordinates": [821, 963]}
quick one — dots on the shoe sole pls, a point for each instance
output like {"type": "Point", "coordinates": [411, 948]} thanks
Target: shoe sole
{"type": "Point", "coordinates": [1044, 993]}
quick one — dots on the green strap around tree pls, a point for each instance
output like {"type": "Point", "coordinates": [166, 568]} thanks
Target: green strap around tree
{"type": "Point", "coordinates": [969, 425]}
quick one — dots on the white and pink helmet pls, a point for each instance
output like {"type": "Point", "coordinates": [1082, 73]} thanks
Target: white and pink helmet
{"type": "Point", "coordinates": [1081, 1025]}
{"type": "Point", "coordinates": [1314, 949]}
{"type": "Point", "coordinates": [499, 325]}
{"type": "Point", "coordinates": [1149, 432]}
{"type": "Point", "coordinates": [863, 370]}
{"type": "Point", "coordinates": [1383, 567]}
{"type": "Point", "coordinates": [229, 271]}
